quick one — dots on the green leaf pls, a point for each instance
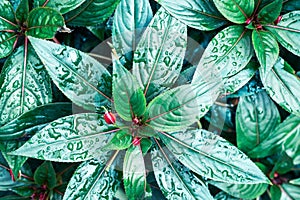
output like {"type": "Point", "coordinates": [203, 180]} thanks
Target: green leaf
{"type": "Point", "coordinates": [237, 81]}
{"type": "Point", "coordinates": [289, 191]}
{"type": "Point", "coordinates": [62, 6]}
{"type": "Point", "coordinates": [286, 136]}
{"type": "Point", "coordinates": [236, 11]}
{"type": "Point", "coordinates": [7, 23]}
{"type": "Point", "coordinates": [283, 165]}
{"type": "Point", "coordinates": [159, 56]}
{"type": "Point", "coordinates": [295, 181]}
{"type": "Point", "coordinates": [134, 174]}
{"type": "Point", "coordinates": [228, 53]}
{"type": "Point", "coordinates": [256, 118]}
{"type": "Point", "coordinates": [283, 87]}
{"type": "Point", "coordinates": [32, 121]}
{"type": "Point", "coordinates": [290, 5]}
{"type": "Point", "coordinates": [121, 140]}
{"type": "Point", "coordinates": [287, 31]}
{"type": "Point", "coordinates": [93, 179]}
{"type": "Point", "coordinates": [181, 106]}
{"type": "Point", "coordinates": [45, 174]}
{"type": "Point", "coordinates": [270, 12]}
{"type": "Point", "coordinates": [211, 156]}
{"type": "Point", "coordinates": [44, 23]}
{"type": "Point", "coordinates": [146, 145]}
{"type": "Point", "coordinates": [80, 77]}
{"type": "Point", "coordinates": [24, 84]}
{"type": "Point", "coordinates": [266, 49]}
{"type": "Point", "coordinates": [174, 179]}
{"type": "Point", "coordinates": [130, 18]}
{"type": "Point", "coordinates": [22, 11]}
{"type": "Point", "coordinates": [242, 191]}
{"type": "Point", "coordinates": [198, 14]}
{"type": "Point", "coordinates": [224, 196]}
{"type": "Point", "coordinates": [73, 138]}
{"type": "Point", "coordinates": [129, 99]}
{"type": "Point", "coordinates": [91, 12]}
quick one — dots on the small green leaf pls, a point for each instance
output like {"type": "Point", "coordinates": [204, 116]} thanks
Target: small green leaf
{"type": "Point", "coordinates": [227, 53]}
{"type": "Point", "coordinates": [62, 6]}
{"type": "Point", "coordinates": [24, 84]}
{"type": "Point", "coordinates": [44, 23]}
{"type": "Point", "coordinates": [237, 81]}
{"type": "Point", "coordinates": [270, 12]}
{"type": "Point", "coordinates": [45, 174]}
{"type": "Point", "coordinates": [242, 191]}
{"type": "Point", "coordinates": [93, 179]}
{"type": "Point", "coordinates": [121, 140]}
{"type": "Point", "coordinates": [32, 121]}
{"type": "Point", "coordinates": [134, 173]}
{"type": "Point", "coordinates": [159, 55]}
{"type": "Point", "coordinates": [175, 180]}
{"type": "Point", "coordinates": [80, 77]}
{"type": "Point", "coordinates": [130, 18]}
{"type": "Point", "coordinates": [287, 31]}
{"type": "Point", "coordinates": [256, 118]}
{"type": "Point", "coordinates": [266, 49]}
{"type": "Point", "coordinates": [7, 23]}
{"type": "Point", "coordinates": [181, 106]}
{"type": "Point", "coordinates": [236, 11]}
{"type": "Point", "coordinates": [91, 12]}
{"type": "Point", "coordinates": [285, 137]}
{"type": "Point", "coordinates": [146, 145]}
{"type": "Point", "coordinates": [198, 14]}
{"type": "Point", "coordinates": [275, 192]}
{"type": "Point", "coordinates": [22, 11]}
{"type": "Point", "coordinates": [283, 87]}
{"type": "Point", "coordinates": [73, 138]}
{"type": "Point", "coordinates": [129, 99]}
{"type": "Point", "coordinates": [283, 165]}
{"type": "Point", "coordinates": [211, 156]}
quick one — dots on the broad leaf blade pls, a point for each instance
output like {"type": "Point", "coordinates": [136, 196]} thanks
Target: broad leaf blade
{"type": "Point", "coordinates": [129, 100]}
{"type": "Point", "coordinates": [270, 12]}
{"type": "Point", "coordinates": [266, 49]}
{"type": "Point", "coordinates": [130, 18]}
{"type": "Point", "coordinates": [91, 12]}
{"type": "Point", "coordinates": [198, 14]}
{"type": "Point", "coordinates": [175, 180]}
{"type": "Point", "coordinates": [44, 22]}
{"type": "Point", "coordinates": [283, 87]}
{"type": "Point", "coordinates": [45, 174]}
{"type": "Point", "coordinates": [80, 77]}
{"type": "Point", "coordinates": [22, 11]}
{"type": "Point", "coordinates": [34, 120]}
{"type": "Point", "coordinates": [256, 118]}
{"type": "Point", "coordinates": [285, 137]}
{"type": "Point", "coordinates": [287, 31]}
{"type": "Point", "coordinates": [134, 173]}
{"type": "Point", "coordinates": [73, 138]}
{"type": "Point", "coordinates": [228, 52]}
{"type": "Point", "coordinates": [213, 157]}
{"type": "Point", "coordinates": [159, 56]}
{"type": "Point", "coordinates": [62, 6]}
{"type": "Point", "coordinates": [24, 84]}
{"type": "Point", "coordinates": [121, 140]}
{"type": "Point", "coordinates": [180, 107]}
{"type": "Point", "coordinates": [93, 180]}
{"type": "Point", "coordinates": [237, 11]}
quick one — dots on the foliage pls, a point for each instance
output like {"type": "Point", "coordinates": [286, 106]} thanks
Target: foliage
{"type": "Point", "coordinates": [205, 96]}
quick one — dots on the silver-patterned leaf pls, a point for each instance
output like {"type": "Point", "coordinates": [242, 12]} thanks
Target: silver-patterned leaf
{"type": "Point", "coordinates": [283, 87]}
{"type": "Point", "coordinates": [199, 14]}
{"type": "Point", "coordinates": [80, 77]}
{"type": "Point", "coordinates": [175, 180]}
{"type": "Point", "coordinates": [227, 53]}
{"type": "Point", "coordinates": [73, 138]}
{"type": "Point", "coordinates": [24, 84]}
{"type": "Point", "coordinates": [130, 18]}
{"type": "Point", "coordinates": [287, 31]}
{"type": "Point", "coordinates": [256, 118]}
{"type": "Point", "coordinates": [93, 180]}
{"type": "Point", "coordinates": [211, 156]}
{"type": "Point", "coordinates": [159, 55]}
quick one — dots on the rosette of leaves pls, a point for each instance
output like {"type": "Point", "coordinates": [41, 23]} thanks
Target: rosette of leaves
{"type": "Point", "coordinates": [256, 28]}
{"type": "Point", "coordinates": [153, 121]}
